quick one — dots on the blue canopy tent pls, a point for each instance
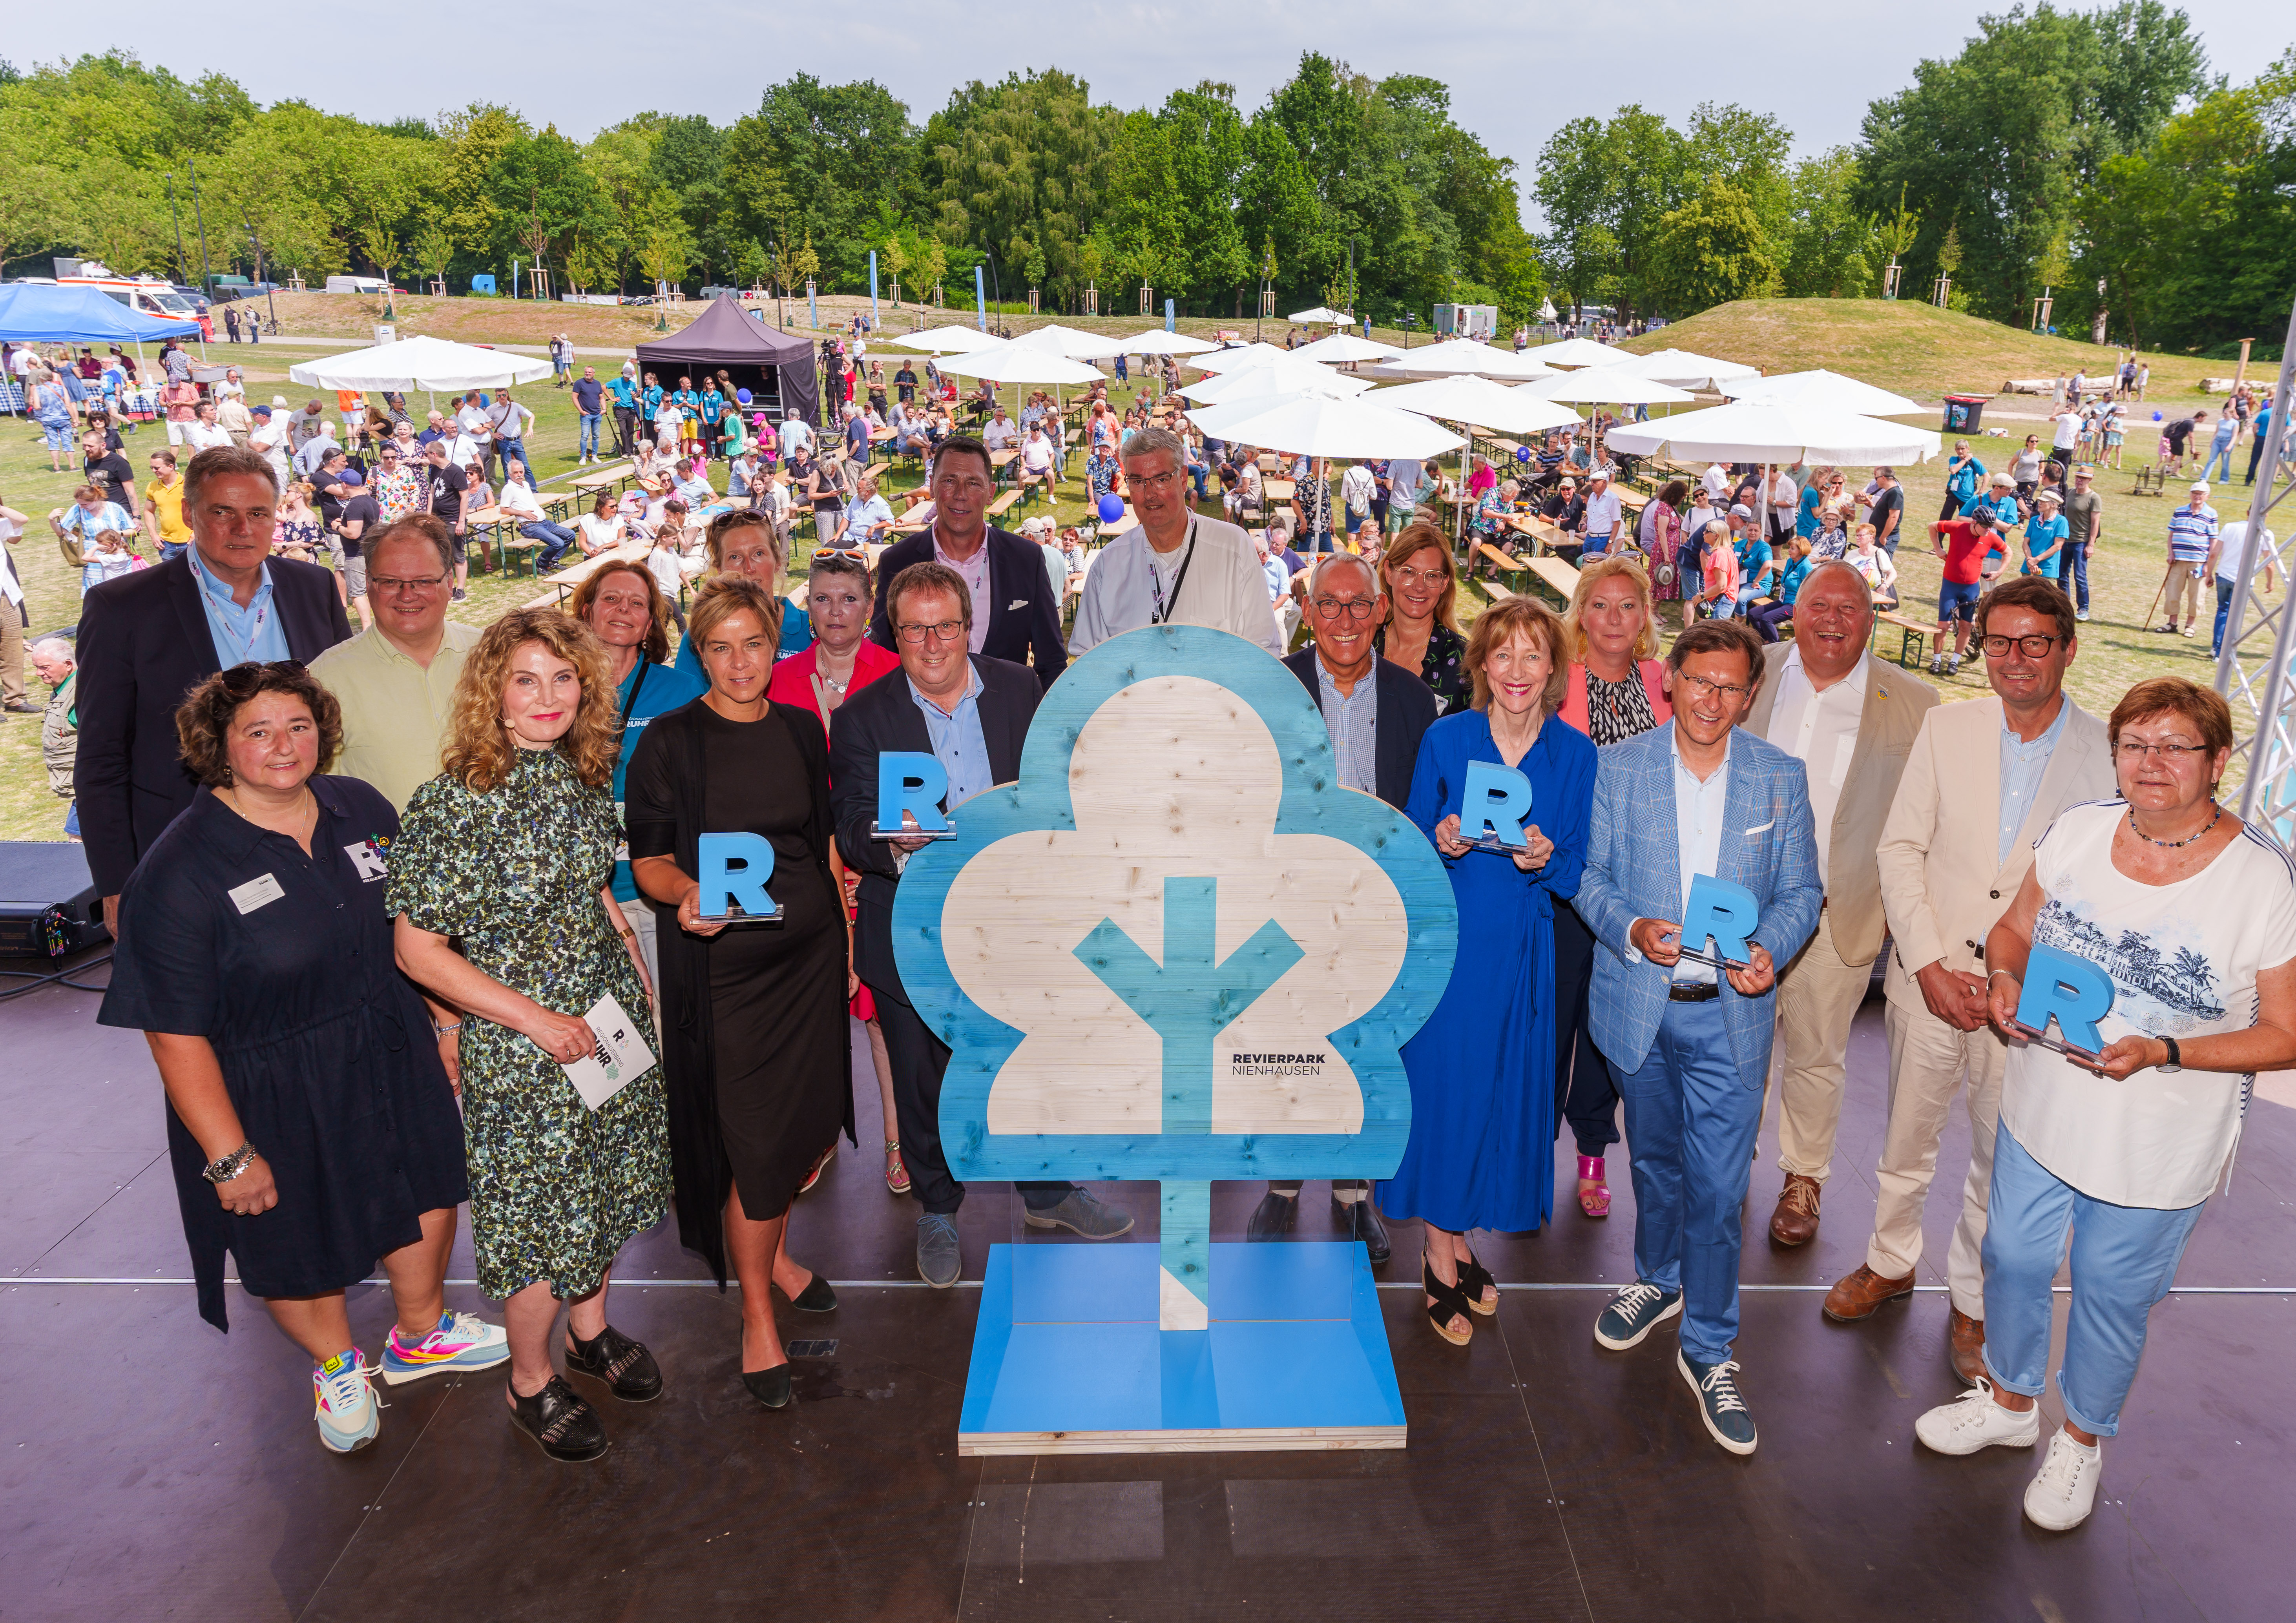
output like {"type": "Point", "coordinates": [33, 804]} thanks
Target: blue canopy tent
{"type": "Point", "coordinates": [43, 313]}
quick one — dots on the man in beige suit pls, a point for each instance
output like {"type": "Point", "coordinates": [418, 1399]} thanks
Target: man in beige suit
{"type": "Point", "coordinates": [1983, 783]}
{"type": "Point", "coordinates": [1850, 719]}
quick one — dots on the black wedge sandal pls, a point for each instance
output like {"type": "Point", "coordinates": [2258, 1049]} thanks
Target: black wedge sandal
{"type": "Point", "coordinates": [1450, 1303]}
{"type": "Point", "coordinates": [1474, 1279]}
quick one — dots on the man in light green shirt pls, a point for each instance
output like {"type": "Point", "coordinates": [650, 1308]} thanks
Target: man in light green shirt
{"type": "Point", "coordinates": [395, 680]}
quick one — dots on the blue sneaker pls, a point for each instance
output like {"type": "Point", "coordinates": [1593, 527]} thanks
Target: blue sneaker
{"type": "Point", "coordinates": [1719, 1405]}
{"type": "Point", "coordinates": [342, 1395]}
{"type": "Point", "coordinates": [1634, 1313]}
{"type": "Point", "coordinates": [462, 1341]}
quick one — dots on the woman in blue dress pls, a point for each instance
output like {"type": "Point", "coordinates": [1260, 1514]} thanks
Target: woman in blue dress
{"type": "Point", "coordinates": [1481, 1151]}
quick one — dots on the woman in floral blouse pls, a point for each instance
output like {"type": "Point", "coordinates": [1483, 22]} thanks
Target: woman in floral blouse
{"type": "Point", "coordinates": [1422, 633]}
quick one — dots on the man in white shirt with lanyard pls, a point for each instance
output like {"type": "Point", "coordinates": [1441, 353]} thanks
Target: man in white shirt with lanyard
{"type": "Point", "coordinates": [1176, 568]}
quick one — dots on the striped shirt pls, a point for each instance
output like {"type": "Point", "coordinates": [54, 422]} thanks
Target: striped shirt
{"type": "Point", "coordinates": [2190, 530]}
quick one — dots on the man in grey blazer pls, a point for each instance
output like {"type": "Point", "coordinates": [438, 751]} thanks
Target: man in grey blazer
{"type": "Point", "coordinates": [1982, 786]}
{"type": "Point", "coordinates": [1690, 1044]}
{"type": "Point", "coordinates": [1850, 719]}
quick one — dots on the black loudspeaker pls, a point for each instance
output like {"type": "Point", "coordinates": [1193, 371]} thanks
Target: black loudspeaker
{"type": "Point", "coordinates": [48, 904]}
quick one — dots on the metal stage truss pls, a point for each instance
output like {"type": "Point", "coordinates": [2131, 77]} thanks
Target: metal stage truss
{"type": "Point", "coordinates": [2253, 671]}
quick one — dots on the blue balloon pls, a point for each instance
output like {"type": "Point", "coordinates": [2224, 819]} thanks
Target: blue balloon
{"type": "Point", "coordinates": [2156, 416]}
{"type": "Point", "coordinates": [1522, 453]}
{"type": "Point", "coordinates": [743, 395]}
{"type": "Point", "coordinates": [1111, 508]}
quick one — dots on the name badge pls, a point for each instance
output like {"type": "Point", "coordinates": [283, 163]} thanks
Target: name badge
{"type": "Point", "coordinates": [255, 893]}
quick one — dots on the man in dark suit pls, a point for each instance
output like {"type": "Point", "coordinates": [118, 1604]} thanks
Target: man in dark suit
{"type": "Point", "coordinates": [971, 712]}
{"type": "Point", "coordinates": [1016, 611]}
{"type": "Point", "coordinates": [146, 638]}
{"type": "Point", "coordinates": [1377, 712]}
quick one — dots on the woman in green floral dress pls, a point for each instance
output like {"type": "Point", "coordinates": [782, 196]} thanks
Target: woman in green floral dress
{"type": "Point", "coordinates": [509, 853]}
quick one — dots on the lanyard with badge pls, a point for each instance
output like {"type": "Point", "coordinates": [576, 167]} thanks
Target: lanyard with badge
{"type": "Point", "coordinates": [638, 686]}
{"type": "Point", "coordinates": [1166, 609]}
{"type": "Point", "coordinates": [255, 628]}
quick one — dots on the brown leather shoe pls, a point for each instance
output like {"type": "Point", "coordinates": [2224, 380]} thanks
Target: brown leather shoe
{"type": "Point", "coordinates": [1965, 1346]}
{"type": "Point", "coordinates": [1795, 1221]}
{"type": "Point", "coordinates": [1859, 1294]}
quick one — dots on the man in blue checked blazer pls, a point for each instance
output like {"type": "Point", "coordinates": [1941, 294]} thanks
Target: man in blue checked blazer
{"type": "Point", "coordinates": [1690, 1044]}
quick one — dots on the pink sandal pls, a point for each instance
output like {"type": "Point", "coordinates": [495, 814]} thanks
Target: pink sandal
{"type": "Point", "coordinates": [896, 1174]}
{"type": "Point", "coordinates": [1595, 1202]}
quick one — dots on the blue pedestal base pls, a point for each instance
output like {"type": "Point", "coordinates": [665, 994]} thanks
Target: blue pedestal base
{"type": "Point", "coordinates": [1067, 1359]}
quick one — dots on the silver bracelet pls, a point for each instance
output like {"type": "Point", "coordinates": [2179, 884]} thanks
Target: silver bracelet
{"type": "Point", "coordinates": [439, 1030]}
{"type": "Point", "coordinates": [229, 1167]}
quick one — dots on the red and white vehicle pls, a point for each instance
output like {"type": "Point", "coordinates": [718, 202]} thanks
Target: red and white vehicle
{"type": "Point", "coordinates": [145, 295]}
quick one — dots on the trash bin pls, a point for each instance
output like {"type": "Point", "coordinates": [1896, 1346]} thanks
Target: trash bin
{"type": "Point", "coordinates": [1963, 413]}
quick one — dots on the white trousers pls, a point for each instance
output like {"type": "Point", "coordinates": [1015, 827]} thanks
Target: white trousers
{"type": "Point", "coordinates": [1929, 1062]}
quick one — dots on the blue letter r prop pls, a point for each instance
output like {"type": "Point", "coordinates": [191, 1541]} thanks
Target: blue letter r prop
{"type": "Point", "coordinates": [735, 868]}
{"type": "Point", "coordinates": [908, 781]}
{"type": "Point", "coordinates": [1724, 911]}
{"type": "Point", "coordinates": [2076, 991]}
{"type": "Point", "coordinates": [1497, 800]}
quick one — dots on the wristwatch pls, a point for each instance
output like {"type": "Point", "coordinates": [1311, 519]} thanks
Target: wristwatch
{"type": "Point", "coordinates": [2176, 1060]}
{"type": "Point", "coordinates": [229, 1167]}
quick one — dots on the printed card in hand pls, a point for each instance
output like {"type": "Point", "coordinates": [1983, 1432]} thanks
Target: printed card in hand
{"type": "Point", "coordinates": [619, 1057]}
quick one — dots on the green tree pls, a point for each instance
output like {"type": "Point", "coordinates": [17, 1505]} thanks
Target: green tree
{"type": "Point", "coordinates": [1709, 251]}
{"type": "Point", "coordinates": [1833, 252]}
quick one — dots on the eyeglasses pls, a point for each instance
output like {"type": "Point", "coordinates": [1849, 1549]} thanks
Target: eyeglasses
{"type": "Point", "coordinates": [405, 583]}
{"type": "Point", "coordinates": [2130, 750]}
{"type": "Point", "coordinates": [1405, 575]}
{"type": "Point", "coordinates": [1154, 481]}
{"type": "Point", "coordinates": [946, 631]}
{"type": "Point", "coordinates": [1700, 686]}
{"type": "Point", "coordinates": [245, 681]}
{"type": "Point", "coordinates": [1354, 608]}
{"type": "Point", "coordinates": [2033, 647]}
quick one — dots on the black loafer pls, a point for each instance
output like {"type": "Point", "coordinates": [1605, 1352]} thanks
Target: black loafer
{"type": "Point", "coordinates": [1273, 1217]}
{"type": "Point", "coordinates": [1364, 1225]}
{"type": "Point", "coordinates": [561, 1425]}
{"type": "Point", "coordinates": [815, 1297]}
{"type": "Point", "coordinates": [769, 1386]}
{"type": "Point", "coordinates": [624, 1366]}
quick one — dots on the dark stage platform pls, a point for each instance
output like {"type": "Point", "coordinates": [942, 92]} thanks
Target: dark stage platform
{"type": "Point", "coordinates": [151, 1468]}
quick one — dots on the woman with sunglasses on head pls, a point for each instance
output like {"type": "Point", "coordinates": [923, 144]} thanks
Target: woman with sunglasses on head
{"type": "Point", "coordinates": [754, 1015]}
{"type": "Point", "coordinates": [743, 542]}
{"type": "Point", "coordinates": [842, 661]}
{"type": "Point", "coordinates": [2189, 914]}
{"type": "Point", "coordinates": [311, 1124]}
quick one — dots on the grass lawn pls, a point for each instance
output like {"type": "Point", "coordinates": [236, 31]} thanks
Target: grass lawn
{"type": "Point", "coordinates": [2124, 575]}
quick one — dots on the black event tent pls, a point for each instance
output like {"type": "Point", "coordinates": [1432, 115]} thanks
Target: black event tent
{"type": "Point", "coordinates": [776, 368]}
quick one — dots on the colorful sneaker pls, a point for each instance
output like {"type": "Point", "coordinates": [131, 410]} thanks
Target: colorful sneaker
{"type": "Point", "coordinates": [462, 1341]}
{"type": "Point", "coordinates": [342, 1392]}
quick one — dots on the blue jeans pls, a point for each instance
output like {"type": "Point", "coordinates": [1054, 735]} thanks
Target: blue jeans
{"type": "Point", "coordinates": [171, 550]}
{"type": "Point", "coordinates": [1690, 1122]}
{"type": "Point", "coordinates": [2224, 613]}
{"type": "Point", "coordinates": [71, 821]}
{"type": "Point", "coordinates": [2219, 457]}
{"type": "Point", "coordinates": [555, 539]}
{"type": "Point", "coordinates": [2072, 573]}
{"type": "Point", "coordinates": [508, 449]}
{"type": "Point", "coordinates": [588, 446]}
{"type": "Point", "coordinates": [2124, 1260]}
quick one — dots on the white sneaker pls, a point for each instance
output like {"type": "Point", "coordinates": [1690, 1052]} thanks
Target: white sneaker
{"type": "Point", "coordinates": [1973, 1420]}
{"type": "Point", "coordinates": [2062, 1496]}
{"type": "Point", "coordinates": [2080, 614]}
{"type": "Point", "coordinates": [343, 1399]}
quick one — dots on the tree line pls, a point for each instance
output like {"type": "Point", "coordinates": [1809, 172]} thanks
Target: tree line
{"type": "Point", "coordinates": [2086, 155]}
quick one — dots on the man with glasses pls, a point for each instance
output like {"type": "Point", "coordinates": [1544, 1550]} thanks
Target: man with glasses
{"type": "Point", "coordinates": [396, 679]}
{"type": "Point", "coordinates": [972, 713]}
{"type": "Point", "coordinates": [1690, 1043]}
{"type": "Point", "coordinates": [147, 637]}
{"type": "Point", "coordinates": [1175, 568]}
{"type": "Point", "coordinates": [1848, 719]}
{"type": "Point", "coordinates": [1021, 621]}
{"type": "Point", "coordinates": [1982, 783]}
{"type": "Point", "coordinates": [1376, 712]}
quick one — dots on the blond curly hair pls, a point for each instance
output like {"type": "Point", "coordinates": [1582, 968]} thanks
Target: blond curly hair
{"type": "Point", "coordinates": [480, 750]}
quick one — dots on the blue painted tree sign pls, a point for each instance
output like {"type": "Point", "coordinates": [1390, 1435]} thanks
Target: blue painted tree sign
{"type": "Point", "coordinates": [1177, 950]}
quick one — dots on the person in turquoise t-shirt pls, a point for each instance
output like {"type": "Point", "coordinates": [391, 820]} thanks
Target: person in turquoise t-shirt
{"type": "Point", "coordinates": [1767, 618]}
{"type": "Point", "coordinates": [742, 542]}
{"type": "Point", "coordinates": [2045, 534]}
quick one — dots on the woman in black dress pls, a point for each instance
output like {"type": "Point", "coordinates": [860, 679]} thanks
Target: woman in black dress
{"type": "Point", "coordinates": [754, 1032]}
{"type": "Point", "coordinates": [311, 1122]}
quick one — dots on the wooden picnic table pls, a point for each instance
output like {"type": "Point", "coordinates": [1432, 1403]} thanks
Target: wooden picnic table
{"type": "Point", "coordinates": [1277, 489]}
{"type": "Point", "coordinates": [1629, 496]}
{"type": "Point", "coordinates": [562, 582]}
{"type": "Point", "coordinates": [1558, 573]}
{"type": "Point", "coordinates": [603, 479]}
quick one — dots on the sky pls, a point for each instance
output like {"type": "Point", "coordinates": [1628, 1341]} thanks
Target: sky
{"type": "Point", "coordinates": [1513, 84]}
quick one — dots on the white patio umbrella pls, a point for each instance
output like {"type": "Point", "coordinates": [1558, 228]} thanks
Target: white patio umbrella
{"type": "Point", "coordinates": [1823, 390]}
{"type": "Point", "coordinates": [1477, 402]}
{"type": "Point", "coordinates": [1319, 314]}
{"type": "Point", "coordinates": [1341, 347]}
{"type": "Point", "coordinates": [1072, 342]}
{"type": "Point", "coordinates": [945, 341]}
{"type": "Point", "coordinates": [1605, 386]}
{"type": "Point", "coordinates": [1241, 354]}
{"type": "Point", "coordinates": [1315, 425]}
{"type": "Point", "coordinates": [1687, 370]}
{"type": "Point", "coordinates": [1297, 377]}
{"type": "Point", "coordinates": [1005, 362]}
{"type": "Point", "coordinates": [1578, 352]}
{"type": "Point", "coordinates": [1157, 341]}
{"type": "Point", "coordinates": [429, 364]}
{"type": "Point", "coordinates": [1456, 357]}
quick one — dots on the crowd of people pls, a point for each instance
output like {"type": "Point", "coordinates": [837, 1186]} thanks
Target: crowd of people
{"type": "Point", "coordinates": [493, 834]}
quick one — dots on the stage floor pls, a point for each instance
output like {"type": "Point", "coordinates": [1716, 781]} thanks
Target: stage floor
{"type": "Point", "coordinates": [152, 1468]}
